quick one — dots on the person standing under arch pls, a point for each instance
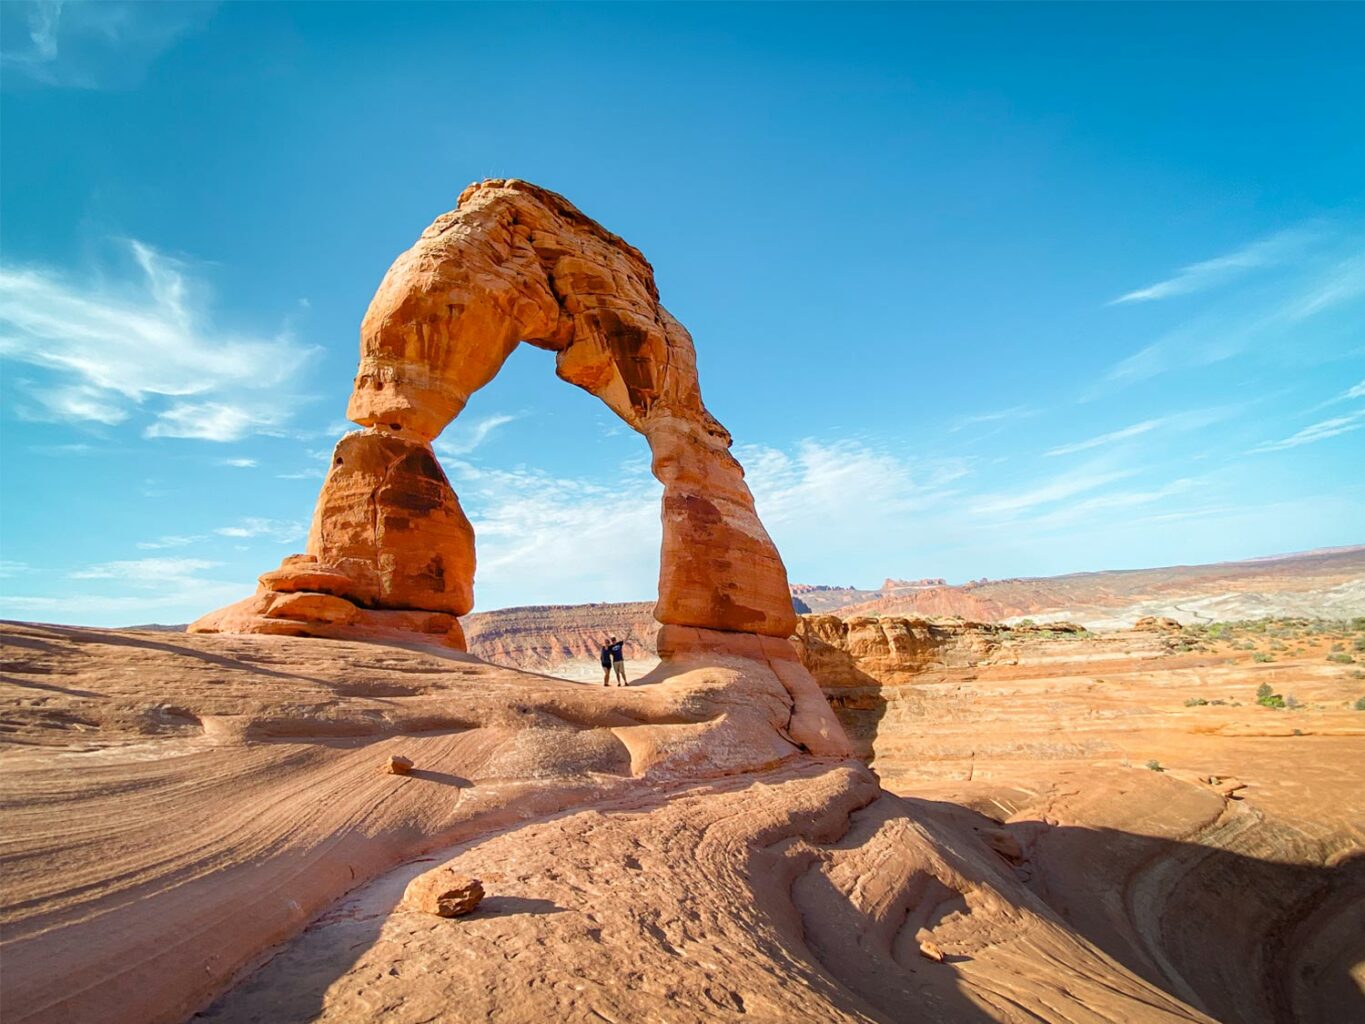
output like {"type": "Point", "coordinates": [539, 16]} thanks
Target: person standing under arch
{"type": "Point", "coordinates": [614, 659]}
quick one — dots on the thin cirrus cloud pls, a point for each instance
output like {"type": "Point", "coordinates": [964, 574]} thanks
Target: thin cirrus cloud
{"type": "Point", "coordinates": [1191, 420]}
{"type": "Point", "coordinates": [999, 415]}
{"type": "Point", "coordinates": [1266, 252]}
{"type": "Point", "coordinates": [162, 588]}
{"type": "Point", "coordinates": [279, 531]}
{"type": "Point", "coordinates": [1301, 310]}
{"type": "Point", "coordinates": [1047, 492]}
{"type": "Point", "coordinates": [463, 438]}
{"type": "Point", "coordinates": [105, 45]}
{"type": "Point", "coordinates": [282, 531]}
{"type": "Point", "coordinates": [1136, 430]}
{"type": "Point", "coordinates": [143, 349]}
{"type": "Point", "coordinates": [1320, 431]}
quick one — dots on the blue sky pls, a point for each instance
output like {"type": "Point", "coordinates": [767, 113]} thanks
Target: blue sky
{"type": "Point", "coordinates": [979, 290]}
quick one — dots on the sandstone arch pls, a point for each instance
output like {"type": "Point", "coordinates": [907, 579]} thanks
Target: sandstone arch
{"type": "Point", "coordinates": [390, 549]}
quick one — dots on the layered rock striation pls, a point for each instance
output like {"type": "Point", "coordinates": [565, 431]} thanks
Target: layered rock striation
{"type": "Point", "coordinates": [513, 263]}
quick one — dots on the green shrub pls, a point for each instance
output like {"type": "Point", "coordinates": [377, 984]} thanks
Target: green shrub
{"type": "Point", "coordinates": [1155, 765]}
{"type": "Point", "coordinates": [1195, 702]}
{"type": "Point", "coordinates": [1341, 658]}
{"type": "Point", "coordinates": [1360, 704]}
{"type": "Point", "coordinates": [1274, 700]}
{"type": "Point", "coordinates": [1359, 644]}
{"type": "Point", "coordinates": [1258, 656]}
{"type": "Point", "coordinates": [1263, 691]}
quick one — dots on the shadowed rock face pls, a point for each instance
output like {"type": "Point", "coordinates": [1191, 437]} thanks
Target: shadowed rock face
{"type": "Point", "coordinates": [516, 263]}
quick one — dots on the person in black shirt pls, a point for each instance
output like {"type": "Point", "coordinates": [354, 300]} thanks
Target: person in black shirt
{"type": "Point", "coordinates": [606, 663]}
{"type": "Point", "coordinates": [613, 657]}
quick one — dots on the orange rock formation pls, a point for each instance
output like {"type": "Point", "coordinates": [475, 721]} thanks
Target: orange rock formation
{"type": "Point", "coordinates": [390, 550]}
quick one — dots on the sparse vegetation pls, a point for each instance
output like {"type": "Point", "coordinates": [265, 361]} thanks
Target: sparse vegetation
{"type": "Point", "coordinates": [1292, 703]}
{"type": "Point", "coordinates": [1195, 702]}
{"type": "Point", "coordinates": [1341, 658]}
{"type": "Point", "coordinates": [1258, 656]}
{"type": "Point", "coordinates": [1268, 698]}
{"type": "Point", "coordinates": [1155, 766]}
{"type": "Point", "coordinates": [1360, 704]}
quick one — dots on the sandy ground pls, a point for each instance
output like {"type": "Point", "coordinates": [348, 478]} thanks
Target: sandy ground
{"type": "Point", "coordinates": [198, 824]}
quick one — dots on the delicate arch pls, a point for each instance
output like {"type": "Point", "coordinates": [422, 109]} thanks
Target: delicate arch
{"type": "Point", "coordinates": [390, 548]}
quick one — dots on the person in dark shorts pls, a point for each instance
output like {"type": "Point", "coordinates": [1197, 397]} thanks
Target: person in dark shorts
{"type": "Point", "coordinates": [613, 657]}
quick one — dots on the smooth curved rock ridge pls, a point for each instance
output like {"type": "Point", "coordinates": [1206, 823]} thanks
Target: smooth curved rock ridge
{"type": "Point", "coordinates": [512, 263]}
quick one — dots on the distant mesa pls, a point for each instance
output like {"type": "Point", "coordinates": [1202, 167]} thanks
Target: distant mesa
{"type": "Point", "coordinates": [391, 552]}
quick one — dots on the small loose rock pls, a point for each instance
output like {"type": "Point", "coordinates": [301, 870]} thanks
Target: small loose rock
{"type": "Point", "coordinates": [443, 892]}
{"type": "Point", "coordinates": [930, 951]}
{"type": "Point", "coordinates": [398, 765]}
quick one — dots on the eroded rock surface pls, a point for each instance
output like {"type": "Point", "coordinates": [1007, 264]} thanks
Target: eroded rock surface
{"type": "Point", "coordinates": [513, 263]}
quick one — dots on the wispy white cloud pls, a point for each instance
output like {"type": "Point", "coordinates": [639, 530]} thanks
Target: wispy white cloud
{"type": "Point", "coordinates": [1097, 506]}
{"type": "Point", "coordinates": [282, 531]}
{"type": "Point", "coordinates": [67, 402]}
{"type": "Point", "coordinates": [1320, 431]}
{"type": "Point", "coordinates": [89, 45]}
{"type": "Point", "coordinates": [1193, 419]}
{"type": "Point", "coordinates": [238, 463]}
{"type": "Point", "coordinates": [1135, 430]}
{"type": "Point", "coordinates": [462, 438]}
{"type": "Point", "coordinates": [549, 539]}
{"type": "Point", "coordinates": [131, 590]}
{"type": "Point", "coordinates": [113, 352]}
{"type": "Point", "coordinates": [1300, 313]}
{"type": "Point", "coordinates": [1013, 413]}
{"type": "Point", "coordinates": [215, 421]}
{"type": "Point", "coordinates": [1058, 488]}
{"type": "Point", "coordinates": [322, 458]}
{"type": "Point", "coordinates": [145, 572]}
{"type": "Point", "coordinates": [1265, 252]}
{"type": "Point", "coordinates": [170, 541]}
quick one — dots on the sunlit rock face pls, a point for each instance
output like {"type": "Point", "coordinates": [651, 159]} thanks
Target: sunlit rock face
{"type": "Point", "coordinates": [512, 263]}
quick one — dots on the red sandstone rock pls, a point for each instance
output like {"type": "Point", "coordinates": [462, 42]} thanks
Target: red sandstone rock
{"type": "Point", "coordinates": [398, 765]}
{"type": "Point", "coordinates": [311, 608]}
{"type": "Point", "coordinates": [444, 893]}
{"type": "Point", "coordinates": [515, 262]}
